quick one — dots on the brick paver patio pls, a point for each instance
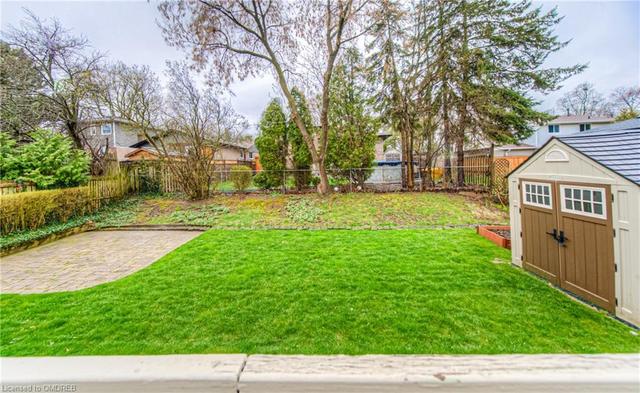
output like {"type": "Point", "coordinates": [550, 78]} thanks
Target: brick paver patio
{"type": "Point", "coordinates": [86, 259]}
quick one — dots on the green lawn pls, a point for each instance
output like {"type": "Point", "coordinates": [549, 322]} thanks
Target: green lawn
{"type": "Point", "coordinates": [315, 292]}
{"type": "Point", "coordinates": [355, 210]}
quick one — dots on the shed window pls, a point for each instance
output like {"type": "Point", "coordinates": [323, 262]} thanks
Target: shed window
{"type": "Point", "coordinates": [585, 201]}
{"type": "Point", "coordinates": [537, 194]}
{"type": "Point", "coordinates": [585, 127]}
{"type": "Point", "coordinates": [106, 129]}
{"type": "Point", "coordinates": [554, 128]}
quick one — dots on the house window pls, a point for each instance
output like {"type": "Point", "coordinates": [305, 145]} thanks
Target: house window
{"type": "Point", "coordinates": [250, 154]}
{"type": "Point", "coordinates": [106, 129]}
{"type": "Point", "coordinates": [554, 128]}
{"type": "Point", "coordinates": [585, 127]}
{"type": "Point", "coordinates": [537, 194]}
{"type": "Point", "coordinates": [585, 201]}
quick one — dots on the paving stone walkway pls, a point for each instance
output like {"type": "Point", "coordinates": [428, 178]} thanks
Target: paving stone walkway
{"type": "Point", "coordinates": [86, 260]}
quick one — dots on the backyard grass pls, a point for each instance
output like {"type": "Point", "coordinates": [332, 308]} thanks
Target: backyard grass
{"type": "Point", "coordinates": [315, 292]}
{"type": "Point", "coordinates": [355, 210]}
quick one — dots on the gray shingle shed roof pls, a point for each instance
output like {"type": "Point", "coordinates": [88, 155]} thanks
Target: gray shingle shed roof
{"type": "Point", "coordinates": [616, 146]}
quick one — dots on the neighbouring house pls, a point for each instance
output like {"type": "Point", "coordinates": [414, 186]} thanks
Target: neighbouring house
{"type": "Point", "coordinates": [254, 155]}
{"type": "Point", "coordinates": [565, 125]}
{"type": "Point", "coordinates": [229, 154]}
{"type": "Point", "coordinates": [379, 147]}
{"type": "Point", "coordinates": [111, 132]}
{"type": "Point", "coordinates": [575, 216]}
{"type": "Point", "coordinates": [514, 150]}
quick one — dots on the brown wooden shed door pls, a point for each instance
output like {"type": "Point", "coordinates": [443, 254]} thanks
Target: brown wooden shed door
{"type": "Point", "coordinates": [567, 237]}
{"type": "Point", "coordinates": [586, 254]}
{"type": "Point", "coordinates": [540, 250]}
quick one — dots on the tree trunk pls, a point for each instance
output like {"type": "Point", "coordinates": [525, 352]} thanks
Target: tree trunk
{"type": "Point", "coordinates": [460, 159]}
{"type": "Point", "coordinates": [72, 130]}
{"type": "Point", "coordinates": [323, 186]}
{"type": "Point", "coordinates": [409, 159]}
{"type": "Point", "coordinates": [447, 143]}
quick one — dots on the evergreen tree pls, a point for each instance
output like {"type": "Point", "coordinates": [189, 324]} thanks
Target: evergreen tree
{"type": "Point", "coordinates": [300, 155]}
{"type": "Point", "coordinates": [272, 146]}
{"type": "Point", "coordinates": [489, 56]}
{"type": "Point", "coordinates": [51, 161]}
{"type": "Point", "coordinates": [391, 76]}
{"type": "Point", "coordinates": [353, 129]}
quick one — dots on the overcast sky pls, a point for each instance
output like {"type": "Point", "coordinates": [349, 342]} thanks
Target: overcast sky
{"type": "Point", "coordinates": [604, 34]}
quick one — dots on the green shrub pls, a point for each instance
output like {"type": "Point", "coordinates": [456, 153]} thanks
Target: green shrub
{"type": "Point", "coordinates": [8, 157]}
{"type": "Point", "coordinates": [241, 177]}
{"type": "Point", "coordinates": [50, 161]}
{"type": "Point", "coordinates": [31, 210]}
{"type": "Point", "coordinates": [264, 181]}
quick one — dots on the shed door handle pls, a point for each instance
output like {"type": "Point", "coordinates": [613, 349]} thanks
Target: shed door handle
{"type": "Point", "coordinates": [561, 239]}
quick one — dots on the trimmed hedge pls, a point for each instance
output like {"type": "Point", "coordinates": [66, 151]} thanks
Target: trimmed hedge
{"type": "Point", "coordinates": [31, 210]}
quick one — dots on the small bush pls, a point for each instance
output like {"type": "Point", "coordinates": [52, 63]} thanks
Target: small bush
{"type": "Point", "coordinates": [241, 177]}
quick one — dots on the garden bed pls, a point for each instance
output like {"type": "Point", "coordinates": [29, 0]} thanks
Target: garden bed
{"type": "Point", "coordinates": [498, 234]}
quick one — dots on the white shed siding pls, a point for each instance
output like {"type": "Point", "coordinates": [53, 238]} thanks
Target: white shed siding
{"type": "Point", "coordinates": [625, 214]}
{"type": "Point", "coordinates": [626, 221]}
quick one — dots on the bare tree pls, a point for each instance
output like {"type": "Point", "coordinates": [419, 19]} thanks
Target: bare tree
{"type": "Point", "coordinates": [243, 38]}
{"type": "Point", "coordinates": [585, 100]}
{"type": "Point", "coordinates": [626, 102]}
{"type": "Point", "coordinates": [186, 128]}
{"type": "Point", "coordinates": [21, 109]}
{"type": "Point", "coordinates": [64, 64]}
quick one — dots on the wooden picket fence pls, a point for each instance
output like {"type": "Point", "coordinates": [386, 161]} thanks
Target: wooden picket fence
{"type": "Point", "coordinates": [103, 190]}
{"type": "Point", "coordinates": [10, 187]}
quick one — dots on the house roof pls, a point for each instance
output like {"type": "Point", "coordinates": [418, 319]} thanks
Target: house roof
{"type": "Point", "coordinates": [121, 152]}
{"type": "Point", "coordinates": [522, 146]}
{"type": "Point", "coordinates": [618, 126]}
{"type": "Point", "coordinates": [577, 119]}
{"type": "Point", "coordinates": [616, 147]}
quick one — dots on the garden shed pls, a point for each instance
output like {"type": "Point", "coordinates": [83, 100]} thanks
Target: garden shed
{"type": "Point", "coordinates": [575, 216]}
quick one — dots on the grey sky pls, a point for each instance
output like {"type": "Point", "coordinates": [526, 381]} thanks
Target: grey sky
{"type": "Point", "coordinates": [605, 34]}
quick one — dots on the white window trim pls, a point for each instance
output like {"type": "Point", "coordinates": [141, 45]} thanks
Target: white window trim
{"type": "Point", "coordinates": [535, 184]}
{"type": "Point", "coordinates": [102, 129]}
{"type": "Point", "coordinates": [564, 209]}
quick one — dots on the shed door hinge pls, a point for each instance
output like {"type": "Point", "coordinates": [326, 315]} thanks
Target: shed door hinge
{"type": "Point", "coordinates": [518, 186]}
{"type": "Point", "coordinates": [519, 210]}
{"type": "Point", "coordinates": [616, 301]}
{"type": "Point", "coordinates": [522, 257]}
{"type": "Point", "coordinates": [520, 233]}
{"type": "Point", "coordinates": [615, 265]}
{"type": "Point", "coordinates": [611, 197]}
{"type": "Point", "coordinates": [614, 233]}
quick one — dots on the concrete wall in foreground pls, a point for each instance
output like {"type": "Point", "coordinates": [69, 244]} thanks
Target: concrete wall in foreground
{"type": "Point", "coordinates": [373, 373]}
